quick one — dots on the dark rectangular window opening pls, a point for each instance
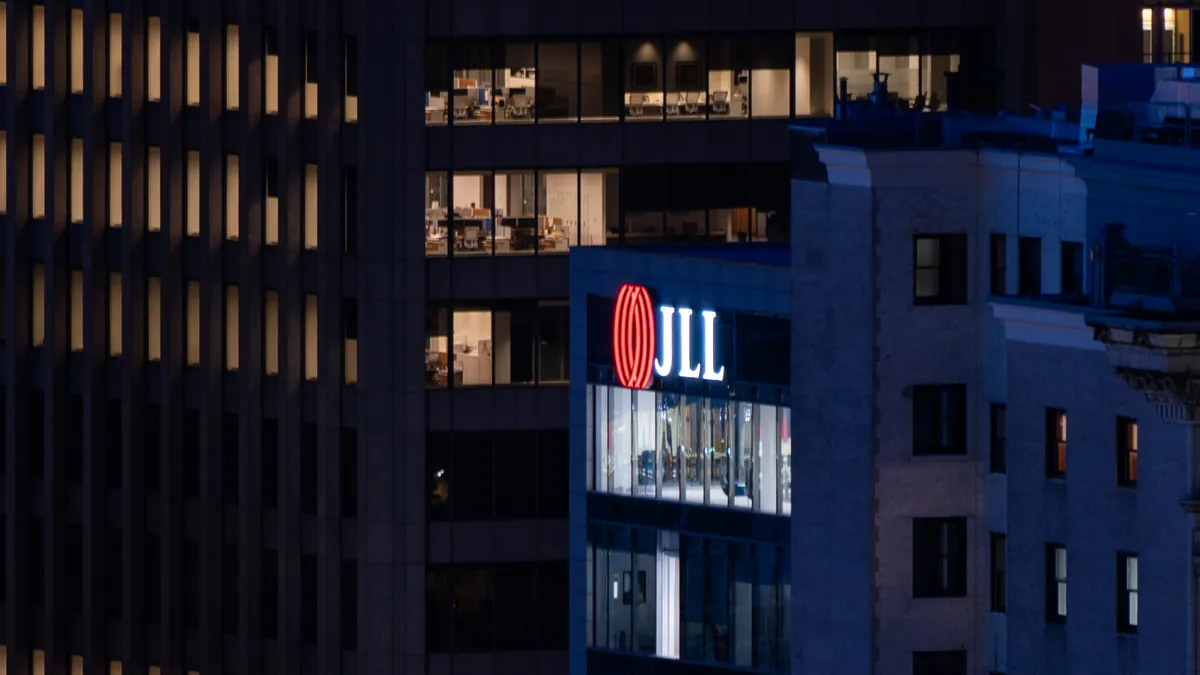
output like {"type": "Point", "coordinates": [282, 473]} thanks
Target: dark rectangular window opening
{"type": "Point", "coordinates": [998, 438]}
{"type": "Point", "coordinates": [1056, 583]}
{"type": "Point", "coordinates": [999, 264]}
{"type": "Point", "coordinates": [349, 473]}
{"type": "Point", "coordinates": [350, 206]}
{"type": "Point", "coordinates": [939, 557]}
{"type": "Point", "coordinates": [940, 663]}
{"type": "Point", "coordinates": [1029, 264]}
{"type": "Point", "coordinates": [1127, 593]}
{"type": "Point", "coordinates": [1127, 452]}
{"type": "Point", "coordinates": [1056, 443]}
{"type": "Point", "coordinates": [940, 269]}
{"type": "Point", "coordinates": [270, 463]}
{"type": "Point", "coordinates": [309, 471]}
{"type": "Point", "coordinates": [998, 573]}
{"type": "Point", "coordinates": [349, 593]}
{"type": "Point", "coordinates": [1071, 254]}
{"type": "Point", "coordinates": [939, 419]}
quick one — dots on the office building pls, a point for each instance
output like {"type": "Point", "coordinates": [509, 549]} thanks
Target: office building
{"type": "Point", "coordinates": [987, 318]}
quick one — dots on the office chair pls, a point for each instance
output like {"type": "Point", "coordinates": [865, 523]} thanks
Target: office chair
{"type": "Point", "coordinates": [691, 101]}
{"type": "Point", "coordinates": [636, 101]}
{"type": "Point", "coordinates": [720, 102]}
{"type": "Point", "coordinates": [471, 238]}
{"type": "Point", "coordinates": [462, 107]}
{"type": "Point", "coordinates": [519, 106]}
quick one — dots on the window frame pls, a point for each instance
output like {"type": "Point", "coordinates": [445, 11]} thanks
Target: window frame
{"type": "Point", "coordinates": [1056, 438]}
{"type": "Point", "coordinates": [998, 573]}
{"type": "Point", "coordinates": [1127, 593]}
{"type": "Point", "coordinates": [1127, 452]}
{"type": "Point", "coordinates": [998, 438]}
{"type": "Point", "coordinates": [946, 395]}
{"type": "Point", "coordinates": [948, 576]}
{"type": "Point", "coordinates": [1056, 583]}
{"type": "Point", "coordinates": [998, 264]}
{"type": "Point", "coordinates": [951, 269]}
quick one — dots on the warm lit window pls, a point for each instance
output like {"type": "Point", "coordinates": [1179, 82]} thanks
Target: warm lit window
{"type": "Point", "coordinates": [271, 334]}
{"type": "Point", "coordinates": [76, 51]}
{"type": "Point", "coordinates": [154, 319]}
{"type": "Point", "coordinates": [193, 323]}
{"type": "Point", "coordinates": [3, 43]}
{"type": "Point", "coordinates": [350, 340]}
{"type": "Point", "coordinates": [270, 74]}
{"type": "Point", "coordinates": [37, 181]}
{"type": "Point", "coordinates": [3, 171]}
{"type": "Point", "coordinates": [232, 66]}
{"type": "Point", "coordinates": [114, 55]}
{"type": "Point", "coordinates": [311, 67]}
{"type": "Point", "coordinates": [153, 59]}
{"type": "Point", "coordinates": [351, 76]}
{"type": "Point", "coordinates": [114, 185]}
{"type": "Point", "coordinates": [271, 212]}
{"type": "Point", "coordinates": [77, 190]}
{"type": "Point", "coordinates": [38, 40]}
{"type": "Point", "coordinates": [231, 197]}
{"type": "Point", "coordinates": [192, 78]}
{"type": "Point", "coordinates": [115, 333]}
{"type": "Point", "coordinates": [38, 313]}
{"type": "Point", "coordinates": [310, 206]}
{"type": "Point", "coordinates": [310, 337]}
{"type": "Point", "coordinates": [231, 328]}
{"type": "Point", "coordinates": [193, 193]}
{"type": "Point", "coordinates": [1056, 443]}
{"type": "Point", "coordinates": [1127, 452]}
{"type": "Point", "coordinates": [77, 318]}
{"type": "Point", "coordinates": [153, 189]}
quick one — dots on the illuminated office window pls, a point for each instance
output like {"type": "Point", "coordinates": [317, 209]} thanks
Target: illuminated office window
{"type": "Point", "coordinates": [310, 337]}
{"type": "Point", "coordinates": [77, 318]}
{"type": "Point", "coordinates": [310, 206]}
{"type": "Point", "coordinates": [114, 668]}
{"type": "Point", "coordinates": [38, 45]}
{"type": "Point", "coordinates": [271, 334]}
{"type": "Point", "coordinates": [351, 75]}
{"type": "Point", "coordinates": [114, 55]}
{"type": "Point", "coordinates": [270, 74]}
{"type": "Point", "coordinates": [193, 323]}
{"type": "Point", "coordinates": [3, 43]}
{"type": "Point", "coordinates": [193, 193]}
{"type": "Point", "coordinates": [153, 59]}
{"type": "Point", "coordinates": [192, 78]}
{"type": "Point", "coordinates": [311, 67]}
{"type": "Point", "coordinates": [77, 51]}
{"type": "Point", "coordinates": [154, 319]}
{"type": "Point", "coordinates": [37, 181]}
{"type": "Point", "coordinates": [3, 171]}
{"type": "Point", "coordinates": [76, 664]}
{"type": "Point", "coordinates": [231, 197]}
{"type": "Point", "coordinates": [114, 185]}
{"type": "Point", "coordinates": [153, 189]}
{"type": "Point", "coordinates": [115, 332]}
{"type": "Point", "coordinates": [39, 662]}
{"type": "Point", "coordinates": [38, 314]}
{"type": "Point", "coordinates": [232, 66]}
{"type": "Point", "coordinates": [271, 212]}
{"type": "Point", "coordinates": [350, 340]}
{"type": "Point", "coordinates": [231, 328]}
{"type": "Point", "coordinates": [77, 190]}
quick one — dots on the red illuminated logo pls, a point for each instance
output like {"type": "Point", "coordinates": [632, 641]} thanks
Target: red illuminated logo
{"type": "Point", "coordinates": [634, 337]}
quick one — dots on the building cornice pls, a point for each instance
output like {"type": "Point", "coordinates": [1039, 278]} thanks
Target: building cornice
{"type": "Point", "coordinates": [1043, 324]}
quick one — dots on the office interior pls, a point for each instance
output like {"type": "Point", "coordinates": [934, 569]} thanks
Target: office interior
{"type": "Point", "coordinates": [522, 344]}
{"type": "Point", "coordinates": [688, 596]}
{"type": "Point", "coordinates": [697, 449]}
{"type": "Point", "coordinates": [680, 78]}
{"type": "Point", "coordinates": [527, 212]}
{"type": "Point", "coordinates": [1177, 34]}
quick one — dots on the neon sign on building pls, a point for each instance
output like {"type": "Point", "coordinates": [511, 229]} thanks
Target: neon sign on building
{"type": "Point", "coordinates": [635, 341]}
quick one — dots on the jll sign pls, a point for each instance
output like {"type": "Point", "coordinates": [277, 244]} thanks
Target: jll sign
{"type": "Point", "coordinates": [636, 341]}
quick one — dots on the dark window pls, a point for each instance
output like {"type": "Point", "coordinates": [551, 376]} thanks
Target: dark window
{"type": "Point", "coordinates": [999, 264]}
{"type": "Point", "coordinates": [1071, 253]}
{"type": "Point", "coordinates": [152, 578]}
{"type": "Point", "coordinates": [37, 569]}
{"type": "Point", "coordinates": [473, 606]}
{"type": "Point", "coordinates": [998, 438]}
{"type": "Point", "coordinates": [151, 447]}
{"type": "Point", "coordinates": [311, 65]}
{"type": "Point", "coordinates": [1127, 592]}
{"type": "Point", "coordinates": [515, 598]}
{"type": "Point", "coordinates": [939, 557]}
{"type": "Point", "coordinates": [229, 589]}
{"type": "Point", "coordinates": [440, 480]}
{"type": "Point", "coordinates": [3, 409]}
{"type": "Point", "coordinates": [112, 444]}
{"type": "Point", "coordinates": [1056, 583]}
{"type": "Point", "coordinates": [270, 42]}
{"type": "Point", "coordinates": [1127, 452]}
{"type": "Point", "coordinates": [270, 593]}
{"type": "Point", "coordinates": [72, 581]}
{"type": "Point", "coordinates": [272, 177]}
{"type": "Point", "coordinates": [75, 440]}
{"type": "Point", "coordinates": [473, 476]}
{"type": "Point", "coordinates": [553, 340]}
{"type": "Point", "coordinates": [939, 419]}
{"type": "Point", "coordinates": [270, 463]}
{"type": "Point", "coordinates": [439, 609]}
{"type": "Point", "coordinates": [191, 583]}
{"type": "Point", "coordinates": [37, 435]}
{"type": "Point", "coordinates": [940, 272]}
{"type": "Point", "coordinates": [308, 469]}
{"type": "Point", "coordinates": [552, 602]}
{"type": "Point", "coordinates": [230, 455]}
{"type": "Point", "coordinates": [940, 663]}
{"type": "Point", "coordinates": [351, 65]}
{"type": "Point", "coordinates": [516, 477]}
{"type": "Point", "coordinates": [350, 215]}
{"type": "Point", "coordinates": [1056, 443]}
{"type": "Point", "coordinates": [998, 573]}
{"type": "Point", "coordinates": [553, 479]}
{"type": "Point", "coordinates": [1029, 266]}
{"type": "Point", "coordinates": [349, 627]}
{"type": "Point", "coordinates": [191, 453]}
{"type": "Point", "coordinates": [349, 473]}
{"type": "Point", "coordinates": [308, 599]}
{"type": "Point", "coordinates": [4, 560]}
{"type": "Point", "coordinates": [112, 573]}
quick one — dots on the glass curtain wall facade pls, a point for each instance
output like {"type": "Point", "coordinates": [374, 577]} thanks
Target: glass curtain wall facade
{"type": "Point", "coordinates": [689, 597]}
{"type": "Point", "coordinates": [695, 449]}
